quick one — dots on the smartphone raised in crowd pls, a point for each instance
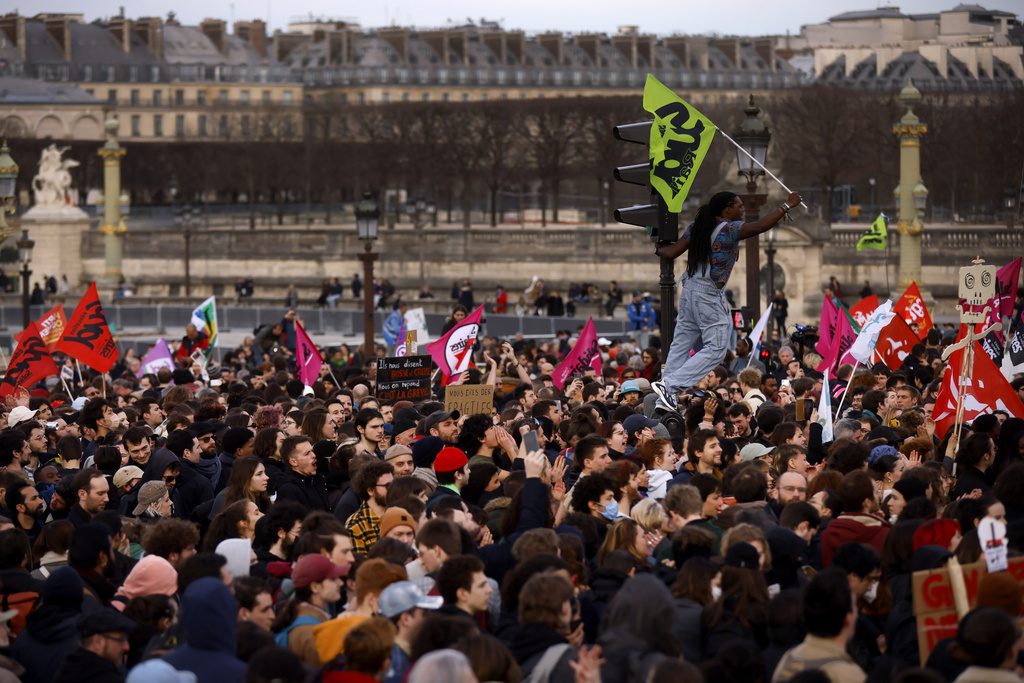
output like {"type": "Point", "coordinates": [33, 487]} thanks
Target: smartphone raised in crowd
{"type": "Point", "coordinates": [530, 439]}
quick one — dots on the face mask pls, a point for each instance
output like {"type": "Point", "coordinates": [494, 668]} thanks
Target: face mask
{"type": "Point", "coordinates": [611, 511]}
{"type": "Point", "coordinates": [871, 593]}
{"type": "Point", "coordinates": [716, 592]}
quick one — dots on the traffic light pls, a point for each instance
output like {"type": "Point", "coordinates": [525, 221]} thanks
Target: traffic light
{"type": "Point", "coordinates": [661, 224]}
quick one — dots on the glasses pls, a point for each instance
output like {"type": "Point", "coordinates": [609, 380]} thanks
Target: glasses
{"type": "Point", "coordinates": [122, 640]}
{"type": "Point", "coordinates": [208, 437]}
{"type": "Point", "coordinates": [384, 486]}
{"type": "Point", "coordinates": [170, 479]}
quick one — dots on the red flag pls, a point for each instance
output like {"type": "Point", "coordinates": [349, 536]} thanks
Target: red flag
{"type": "Point", "coordinates": [841, 343]}
{"type": "Point", "coordinates": [985, 391]}
{"type": "Point", "coordinates": [864, 308]}
{"type": "Point", "coordinates": [87, 337]}
{"type": "Point", "coordinates": [51, 327]}
{"type": "Point", "coordinates": [895, 343]}
{"type": "Point", "coordinates": [453, 352]}
{"type": "Point", "coordinates": [1007, 279]}
{"type": "Point", "coordinates": [307, 357]}
{"type": "Point", "coordinates": [30, 363]}
{"type": "Point", "coordinates": [585, 355]}
{"type": "Point", "coordinates": [911, 308]}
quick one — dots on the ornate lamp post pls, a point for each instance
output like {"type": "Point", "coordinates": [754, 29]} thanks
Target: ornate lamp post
{"type": "Point", "coordinates": [912, 193]}
{"type": "Point", "coordinates": [25, 245]}
{"type": "Point", "coordinates": [769, 252]}
{"type": "Point", "coordinates": [753, 136]}
{"type": "Point", "coordinates": [113, 226]}
{"type": "Point", "coordinates": [8, 190]}
{"type": "Point", "coordinates": [367, 224]}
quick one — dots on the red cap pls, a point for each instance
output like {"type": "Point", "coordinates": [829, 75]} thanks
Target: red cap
{"type": "Point", "coordinates": [316, 567]}
{"type": "Point", "coordinates": [450, 459]}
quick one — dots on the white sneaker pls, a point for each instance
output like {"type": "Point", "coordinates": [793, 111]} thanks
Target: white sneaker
{"type": "Point", "coordinates": [666, 400]}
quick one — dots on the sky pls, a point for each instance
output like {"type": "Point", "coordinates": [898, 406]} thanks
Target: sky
{"type": "Point", "coordinates": [752, 17]}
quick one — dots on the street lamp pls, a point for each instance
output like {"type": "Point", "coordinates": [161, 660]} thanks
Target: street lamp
{"type": "Point", "coordinates": [871, 184]}
{"type": "Point", "coordinates": [8, 189]}
{"type": "Point", "coordinates": [367, 224]}
{"type": "Point", "coordinates": [186, 217]}
{"type": "Point", "coordinates": [25, 246]}
{"type": "Point", "coordinates": [754, 137]}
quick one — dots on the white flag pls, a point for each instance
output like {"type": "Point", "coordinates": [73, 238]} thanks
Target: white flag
{"type": "Point", "coordinates": [864, 346]}
{"type": "Point", "coordinates": [825, 410]}
{"type": "Point", "coordinates": [755, 334]}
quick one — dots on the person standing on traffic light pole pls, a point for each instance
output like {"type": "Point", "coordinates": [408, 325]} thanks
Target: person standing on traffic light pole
{"type": "Point", "coordinates": [703, 319]}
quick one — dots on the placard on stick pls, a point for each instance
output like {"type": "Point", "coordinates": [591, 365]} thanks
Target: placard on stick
{"type": "Point", "coordinates": [933, 601]}
{"type": "Point", "coordinates": [405, 378]}
{"type": "Point", "coordinates": [469, 399]}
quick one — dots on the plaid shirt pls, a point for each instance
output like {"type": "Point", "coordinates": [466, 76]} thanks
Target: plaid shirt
{"type": "Point", "coordinates": [364, 525]}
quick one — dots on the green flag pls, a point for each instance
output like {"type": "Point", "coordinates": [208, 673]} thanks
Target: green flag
{"type": "Point", "coordinates": [875, 237]}
{"type": "Point", "coordinates": [680, 138]}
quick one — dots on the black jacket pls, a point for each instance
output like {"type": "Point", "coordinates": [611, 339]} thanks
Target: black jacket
{"type": "Point", "coordinates": [309, 491]}
{"type": "Point", "coordinates": [193, 488]}
{"type": "Point", "coordinates": [227, 460]}
{"type": "Point", "coordinates": [529, 642]}
{"type": "Point", "coordinates": [82, 666]}
{"type": "Point", "coordinates": [50, 635]}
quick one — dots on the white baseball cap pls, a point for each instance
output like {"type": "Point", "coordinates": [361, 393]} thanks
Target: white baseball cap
{"type": "Point", "coordinates": [20, 414]}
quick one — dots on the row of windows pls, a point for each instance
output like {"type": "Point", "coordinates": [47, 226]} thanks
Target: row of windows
{"type": "Point", "coordinates": [225, 127]}
{"type": "Point", "coordinates": [157, 97]}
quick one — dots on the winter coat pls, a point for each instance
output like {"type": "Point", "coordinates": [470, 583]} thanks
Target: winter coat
{"type": "Point", "coordinates": [193, 489]}
{"type": "Point", "coordinates": [209, 615]}
{"type": "Point", "coordinates": [688, 628]}
{"type": "Point", "coordinates": [309, 491]}
{"type": "Point", "coordinates": [528, 643]}
{"type": "Point", "coordinates": [82, 666]}
{"type": "Point", "coordinates": [852, 528]}
{"type": "Point", "coordinates": [49, 638]}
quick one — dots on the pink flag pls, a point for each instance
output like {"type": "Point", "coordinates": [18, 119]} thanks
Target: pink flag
{"type": "Point", "coordinates": [841, 343]}
{"type": "Point", "coordinates": [453, 352]}
{"type": "Point", "coordinates": [1007, 279]}
{"type": "Point", "coordinates": [585, 355]}
{"type": "Point", "coordinates": [827, 328]}
{"type": "Point", "coordinates": [307, 357]}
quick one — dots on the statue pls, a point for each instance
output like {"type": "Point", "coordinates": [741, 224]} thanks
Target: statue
{"type": "Point", "coordinates": [52, 185]}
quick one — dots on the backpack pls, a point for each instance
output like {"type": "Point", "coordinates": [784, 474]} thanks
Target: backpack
{"type": "Point", "coordinates": [281, 639]}
{"type": "Point", "coordinates": [23, 603]}
{"type": "Point", "coordinates": [545, 666]}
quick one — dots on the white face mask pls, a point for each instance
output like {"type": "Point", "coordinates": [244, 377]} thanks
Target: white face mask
{"type": "Point", "coordinates": [871, 593]}
{"type": "Point", "coordinates": [716, 592]}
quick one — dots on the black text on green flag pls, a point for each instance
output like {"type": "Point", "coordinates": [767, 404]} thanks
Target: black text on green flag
{"type": "Point", "coordinates": [875, 237]}
{"type": "Point", "coordinates": [680, 138]}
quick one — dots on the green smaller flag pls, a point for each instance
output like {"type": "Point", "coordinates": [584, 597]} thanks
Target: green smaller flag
{"type": "Point", "coordinates": [875, 237]}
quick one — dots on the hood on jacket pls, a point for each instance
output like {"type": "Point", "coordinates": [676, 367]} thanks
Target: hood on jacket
{"type": "Point", "coordinates": [238, 553]}
{"type": "Point", "coordinates": [158, 463]}
{"type": "Point", "coordinates": [153, 575]}
{"type": "Point", "coordinates": [208, 616]}
{"type": "Point", "coordinates": [529, 640]}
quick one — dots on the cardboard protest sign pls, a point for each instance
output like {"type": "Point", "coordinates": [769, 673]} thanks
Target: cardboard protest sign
{"type": "Point", "coordinates": [469, 399]}
{"type": "Point", "coordinates": [934, 603]}
{"type": "Point", "coordinates": [405, 378]}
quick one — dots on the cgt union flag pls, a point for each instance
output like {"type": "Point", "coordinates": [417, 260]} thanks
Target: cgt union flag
{"type": "Point", "coordinates": [453, 352]}
{"type": "Point", "coordinates": [30, 363]}
{"type": "Point", "coordinates": [911, 308]}
{"type": "Point", "coordinates": [985, 391]}
{"type": "Point", "coordinates": [87, 336]}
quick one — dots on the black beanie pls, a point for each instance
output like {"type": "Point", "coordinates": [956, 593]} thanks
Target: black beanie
{"type": "Point", "coordinates": [425, 450]}
{"type": "Point", "coordinates": [63, 588]}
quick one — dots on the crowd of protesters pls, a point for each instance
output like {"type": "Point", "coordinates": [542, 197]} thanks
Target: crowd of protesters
{"type": "Point", "coordinates": [247, 528]}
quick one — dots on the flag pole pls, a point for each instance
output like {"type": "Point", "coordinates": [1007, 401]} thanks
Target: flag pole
{"type": "Point", "coordinates": [839, 410]}
{"type": "Point", "coordinates": [773, 176]}
{"type": "Point", "coordinates": [81, 380]}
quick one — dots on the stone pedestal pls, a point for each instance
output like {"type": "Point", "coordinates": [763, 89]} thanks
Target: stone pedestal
{"type": "Point", "coordinates": [57, 233]}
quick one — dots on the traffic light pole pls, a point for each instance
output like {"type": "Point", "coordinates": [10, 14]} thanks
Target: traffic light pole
{"type": "Point", "coordinates": [667, 233]}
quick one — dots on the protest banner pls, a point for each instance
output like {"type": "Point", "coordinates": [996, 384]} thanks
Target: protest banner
{"type": "Point", "coordinates": [469, 399]}
{"type": "Point", "coordinates": [934, 603]}
{"type": "Point", "coordinates": [404, 378]}
{"type": "Point", "coordinates": [50, 325]}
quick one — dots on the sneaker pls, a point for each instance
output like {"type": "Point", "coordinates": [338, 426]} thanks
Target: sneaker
{"type": "Point", "coordinates": [666, 399]}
